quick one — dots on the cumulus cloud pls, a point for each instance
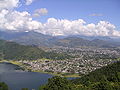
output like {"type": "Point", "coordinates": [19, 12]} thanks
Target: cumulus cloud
{"type": "Point", "coordinates": [22, 21]}
{"type": "Point", "coordinates": [57, 27]}
{"type": "Point", "coordinates": [18, 21]}
{"type": "Point", "coordinates": [8, 4]}
{"type": "Point", "coordinates": [15, 20]}
{"type": "Point", "coordinates": [28, 2]}
{"type": "Point", "coordinates": [40, 12]}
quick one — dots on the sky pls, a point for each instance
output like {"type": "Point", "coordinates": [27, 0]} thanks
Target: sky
{"type": "Point", "coordinates": [62, 17]}
{"type": "Point", "coordinates": [107, 10]}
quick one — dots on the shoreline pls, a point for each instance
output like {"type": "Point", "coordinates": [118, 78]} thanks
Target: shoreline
{"type": "Point", "coordinates": [40, 71]}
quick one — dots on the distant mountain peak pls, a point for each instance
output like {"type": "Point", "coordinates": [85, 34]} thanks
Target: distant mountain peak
{"type": "Point", "coordinates": [39, 39]}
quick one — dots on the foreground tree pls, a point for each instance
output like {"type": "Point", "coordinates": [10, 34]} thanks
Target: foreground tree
{"type": "Point", "coordinates": [3, 86]}
{"type": "Point", "coordinates": [24, 89]}
{"type": "Point", "coordinates": [58, 83]}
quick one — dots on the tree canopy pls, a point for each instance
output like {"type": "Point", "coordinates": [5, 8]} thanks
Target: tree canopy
{"type": "Point", "coordinates": [3, 86]}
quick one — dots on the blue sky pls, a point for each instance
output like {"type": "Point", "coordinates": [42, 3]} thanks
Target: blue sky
{"type": "Point", "coordinates": [78, 9]}
{"type": "Point", "coordinates": [62, 17]}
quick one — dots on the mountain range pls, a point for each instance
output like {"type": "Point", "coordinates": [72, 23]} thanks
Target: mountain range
{"type": "Point", "coordinates": [37, 39]}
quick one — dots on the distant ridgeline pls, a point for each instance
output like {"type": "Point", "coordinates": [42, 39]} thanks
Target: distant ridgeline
{"type": "Point", "coordinates": [13, 51]}
{"type": "Point", "coordinates": [106, 78]}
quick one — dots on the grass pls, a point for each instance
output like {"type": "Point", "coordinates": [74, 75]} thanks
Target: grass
{"type": "Point", "coordinates": [1, 61]}
{"type": "Point", "coordinates": [58, 74]}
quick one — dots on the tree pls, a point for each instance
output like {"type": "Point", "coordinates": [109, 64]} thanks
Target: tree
{"type": "Point", "coordinates": [24, 89]}
{"type": "Point", "coordinates": [101, 86]}
{"type": "Point", "coordinates": [3, 86]}
{"type": "Point", "coordinates": [58, 83]}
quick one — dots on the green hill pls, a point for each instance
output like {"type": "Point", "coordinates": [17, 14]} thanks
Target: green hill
{"type": "Point", "coordinates": [106, 78]}
{"type": "Point", "coordinates": [13, 51]}
{"type": "Point", "coordinates": [110, 73]}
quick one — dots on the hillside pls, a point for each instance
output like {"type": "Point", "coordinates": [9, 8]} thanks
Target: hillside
{"type": "Point", "coordinates": [110, 73]}
{"type": "Point", "coordinates": [27, 38]}
{"type": "Point", "coordinates": [34, 38]}
{"type": "Point", "coordinates": [14, 51]}
{"type": "Point", "coordinates": [77, 42]}
{"type": "Point", "coordinates": [106, 78]}
{"type": "Point", "coordinates": [37, 39]}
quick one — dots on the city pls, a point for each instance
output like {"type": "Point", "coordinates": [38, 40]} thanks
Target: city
{"type": "Point", "coordinates": [85, 60]}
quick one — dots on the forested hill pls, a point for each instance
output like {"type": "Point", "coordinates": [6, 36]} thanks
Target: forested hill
{"type": "Point", "coordinates": [13, 51]}
{"type": "Point", "coordinates": [106, 78]}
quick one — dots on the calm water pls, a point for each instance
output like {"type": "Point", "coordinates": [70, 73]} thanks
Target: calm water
{"type": "Point", "coordinates": [17, 79]}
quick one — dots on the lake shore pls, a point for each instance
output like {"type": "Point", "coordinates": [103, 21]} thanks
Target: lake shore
{"type": "Point", "coordinates": [25, 68]}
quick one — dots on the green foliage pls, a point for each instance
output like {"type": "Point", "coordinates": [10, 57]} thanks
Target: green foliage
{"type": "Point", "coordinates": [101, 86]}
{"type": "Point", "coordinates": [14, 51]}
{"type": "Point", "coordinates": [3, 86]}
{"type": "Point", "coordinates": [24, 89]}
{"type": "Point", "coordinates": [106, 78]}
{"type": "Point", "coordinates": [109, 73]}
{"type": "Point", "coordinates": [58, 83]}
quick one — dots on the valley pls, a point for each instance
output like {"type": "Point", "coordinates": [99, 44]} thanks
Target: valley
{"type": "Point", "coordinates": [71, 57]}
{"type": "Point", "coordinates": [83, 61]}
{"type": "Point", "coordinates": [68, 57]}
{"type": "Point", "coordinates": [59, 45]}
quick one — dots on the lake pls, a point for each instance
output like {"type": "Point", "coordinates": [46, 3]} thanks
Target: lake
{"type": "Point", "coordinates": [16, 78]}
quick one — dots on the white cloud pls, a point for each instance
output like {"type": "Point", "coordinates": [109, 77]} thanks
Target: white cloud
{"type": "Point", "coordinates": [8, 4]}
{"type": "Point", "coordinates": [28, 2]}
{"type": "Point", "coordinates": [18, 21]}
{"type": "Point", "coordinates": [40, 12]}
{"type": "Point", "coordinates": [22, 21]}
{"type": "Point", "coordinates": [79, 27]}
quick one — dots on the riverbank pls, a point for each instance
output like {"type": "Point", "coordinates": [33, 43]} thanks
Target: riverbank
{"type": "Point", "coordinates": [26, 68]}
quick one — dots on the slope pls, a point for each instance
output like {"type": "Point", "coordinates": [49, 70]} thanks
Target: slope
{"type": "Point", "coordinates": [13, 51]}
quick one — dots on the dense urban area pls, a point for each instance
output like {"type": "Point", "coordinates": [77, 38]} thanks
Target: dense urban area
{"type": "Point", "coordinates": [84, 60]}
